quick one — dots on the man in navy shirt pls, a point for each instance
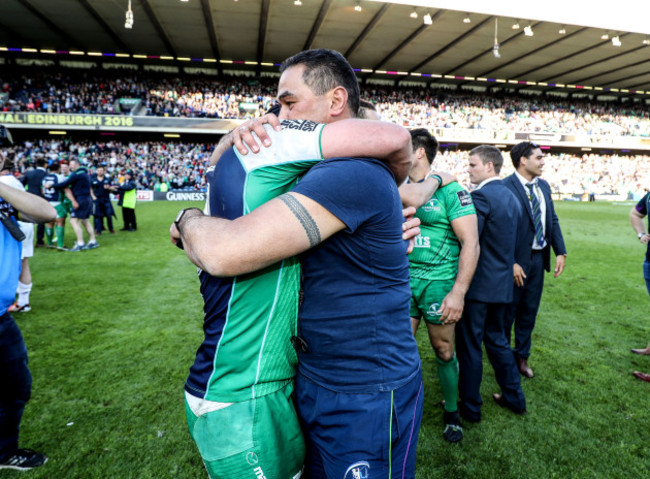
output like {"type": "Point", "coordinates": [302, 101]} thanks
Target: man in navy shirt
{"type": "Point", "coordinates": [103, 208]}
{"type": "Point", "coordinates": [79, 183]}
{"type": "Point", "coordinates": [637, 213]}
{"type": "Point", "coordinates": [359, 387]}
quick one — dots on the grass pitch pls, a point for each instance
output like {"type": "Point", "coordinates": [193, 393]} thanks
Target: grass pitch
{"type": "Point", "coordinates": [114, 330]}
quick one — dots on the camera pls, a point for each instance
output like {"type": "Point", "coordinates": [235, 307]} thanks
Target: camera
{"type": "Point", "coordinates": [5, 137]}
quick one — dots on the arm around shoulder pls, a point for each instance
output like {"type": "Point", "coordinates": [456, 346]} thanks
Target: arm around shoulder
{"type": "Point", "coordinates": [279, 229]}
{"type": "Point", "coordinates": [384, 141]}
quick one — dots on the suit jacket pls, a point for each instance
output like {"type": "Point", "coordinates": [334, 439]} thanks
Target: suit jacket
{"type": "Point", "coordinates": [33, 180]}
{"type": "Point", "coordinates": [499, 220]}
{"type": "Point", "coordinates": [553, 233]}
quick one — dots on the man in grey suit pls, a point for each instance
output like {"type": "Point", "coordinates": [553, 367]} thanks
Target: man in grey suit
{"type": "Point", "coordinates": [542, 232]}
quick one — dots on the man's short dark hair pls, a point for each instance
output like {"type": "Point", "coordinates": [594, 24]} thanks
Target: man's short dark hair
{"type": "Point", "coordinates": [525, 148]}
{"type": "Point", "coordinates": [54, 166]}
{"type": "Point", "coordinates": [41, 162]}
{"type": "Point", "coordinates": [326, 70]}
{"type": "Point", "coordinates": [421, 138]}
{"type": "Point", "coordinates": [364, 107]}
{"type": "Point", "coordinates": [489, 154]}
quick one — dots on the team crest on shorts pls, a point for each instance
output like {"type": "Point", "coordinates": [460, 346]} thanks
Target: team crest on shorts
{"type": "Point", "coordinates": [433, 310]}
{"type": "Point", "coordinates": [358, 470]}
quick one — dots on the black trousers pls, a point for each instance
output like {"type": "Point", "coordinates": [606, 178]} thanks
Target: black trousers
{"type": "Point", "coordinates": [525, 306]}
{"type": "Point", "coordinates": [128, 215]}
{"type": "Point", "coordinates": [15, 381]}
{"type": "Point", "coordinates": [485, 323]}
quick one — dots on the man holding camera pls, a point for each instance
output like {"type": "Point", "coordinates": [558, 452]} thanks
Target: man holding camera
{"type": "Point", "coordinates": [15, 376]}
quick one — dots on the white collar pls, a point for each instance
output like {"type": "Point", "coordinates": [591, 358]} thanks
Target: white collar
{"type": "Point", "coordinates": [524, 181]}
{"type": "Point", "coordinates": [486, 181]}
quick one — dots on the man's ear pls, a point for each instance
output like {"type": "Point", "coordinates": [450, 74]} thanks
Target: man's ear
{"type": "Point", "coordinates": [339, 99]}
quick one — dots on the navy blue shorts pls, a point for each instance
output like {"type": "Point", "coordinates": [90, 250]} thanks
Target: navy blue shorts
{"type": "Point", "coordinates": [360, 435]}
{"type": "Point", "coordinates": [85, 209]}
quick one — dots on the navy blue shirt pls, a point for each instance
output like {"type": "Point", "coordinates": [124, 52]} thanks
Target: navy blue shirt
{"type": "Point", "coordinates": [79, 183]}
{"type": "Point", "coordinates": [101, 193]}
{"type": "Point", "coordinates": [355, 314]}
{"type": "Point", "coordinates": [51, 193]}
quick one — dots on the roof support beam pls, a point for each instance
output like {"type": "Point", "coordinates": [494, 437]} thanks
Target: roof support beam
{"type": "Point", "coordinates": [451, 44]}
{"type": "Point", "coordinates": [427, 60]}
{"type": "Point", "coordinates": [15, 35]}
{"type": "Point", "coordinates": [98, 18]}
{"type": "Point", "coordinates": [408, 40]}
{"type": "Point", "coordinates": [53, 26]}
{"type": "Point", "coordinates": [362, 36]}
{"type": "Point", "coordinates": [543, 47]}
{"type": "Point", "coordinates": [159, 29]}
{"type": "Point", "coordinates": [209, 26]}
{"type": "Point", "coordinates": [317, 24]}
{"type": "Point", "coordinates": [261, 32]}
{"type": "Point", "coordinates": [582, 80]}
{"type": "Point", "coordinates": [566, 57]}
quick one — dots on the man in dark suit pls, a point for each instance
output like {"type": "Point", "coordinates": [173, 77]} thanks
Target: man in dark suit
{"type": "Point", "coordinates": [33, 180]}
{"type": "Point", "coordinates": [487, 302]}
{"type": "Point", "coordinates": [542, 231]}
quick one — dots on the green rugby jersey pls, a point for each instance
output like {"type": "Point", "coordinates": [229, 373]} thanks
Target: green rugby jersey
{"type": "Point", "coordinates": [435, 255]}
{"type": "Point", "coordinates": [249, 319]}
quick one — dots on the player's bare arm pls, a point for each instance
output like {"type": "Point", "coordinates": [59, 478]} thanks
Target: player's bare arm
{"type": "Point", "coordinates": [241, 136]}
{"type": "Point", "coordinates": [32, 208]}
{"type": "Point", "coordinates": [279, 229]}
{"type": "Point", "coordinates": [351, 138]}
{"type": "Point", "coordinates": [636, 219]}
{"type": "Point", "coordinates": [384, 141]}
{"type": "Point", "coordinates": [466, 230]}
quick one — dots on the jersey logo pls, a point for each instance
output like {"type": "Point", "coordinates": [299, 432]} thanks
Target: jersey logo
{"type": "Point", "coordinates": [422, 242]}
{"type": "Point", "coordinates": [464, 197]}
{"type": "Point", "coordinates": [431, 205]}
{"type": "Point", "coordinates": [302, 125]}
{"type": "Point", "coordinates": [433, 310]}
{"type": "Point", "coordinates": [358, 470]}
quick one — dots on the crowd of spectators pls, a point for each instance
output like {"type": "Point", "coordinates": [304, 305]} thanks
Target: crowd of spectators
{"type": "Point", "coordinates": [98, 91]}
{"type": "Point", "coordinates": [182, 166]}
{"type": "Point", "coordinates": [177, 166]}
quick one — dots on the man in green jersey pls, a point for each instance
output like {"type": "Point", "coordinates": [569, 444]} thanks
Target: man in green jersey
{"type": "Point", "coordinates": [442, 265]}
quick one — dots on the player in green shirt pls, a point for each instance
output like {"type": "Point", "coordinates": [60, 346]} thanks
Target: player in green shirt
{"type": "Point", "coordinates": [442, 265]}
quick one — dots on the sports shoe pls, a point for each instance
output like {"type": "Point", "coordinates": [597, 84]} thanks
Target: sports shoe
{"type": "Point", "coordinates": [23, 460]}
{"type": "Point", "coordinates": [14, 308]}
{"type": "Point", "coordinates": [62, 248]}
{"type": "Point", "coordinates": [92, 245]}
{"type": "Point", "coordinates": [78, 247]}
{"type": "Point", "coordinates": [453, 431]}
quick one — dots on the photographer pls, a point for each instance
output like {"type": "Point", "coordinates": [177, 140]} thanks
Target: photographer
{"type": "Point", "coordinates": [15, 377]}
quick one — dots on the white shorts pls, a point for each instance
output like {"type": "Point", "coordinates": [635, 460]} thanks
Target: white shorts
{"type": "Point", "coordinates": [28, 242]}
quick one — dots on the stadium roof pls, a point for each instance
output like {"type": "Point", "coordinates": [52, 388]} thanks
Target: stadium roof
{"type": "Point", "coordinates": [382, 40]}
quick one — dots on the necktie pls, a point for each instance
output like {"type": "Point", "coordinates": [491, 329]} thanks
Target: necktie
{"type": "Point", "coordinates": [537, 216]}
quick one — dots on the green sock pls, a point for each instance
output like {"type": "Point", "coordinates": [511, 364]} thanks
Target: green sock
{"type": "Point", "coordinates": [49, 234]}
{"type": "Point", "coordinates": [448, 374]}
{"type": "Point", "coordinates": [60, 236]}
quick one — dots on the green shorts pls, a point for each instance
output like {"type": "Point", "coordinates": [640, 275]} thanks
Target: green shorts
{"type": "Point", "coordinates": [251, 439]}
{"type": "Point", "coordinates": [426, 298]}
{"type": "Point", "coordinates": [61, 210]}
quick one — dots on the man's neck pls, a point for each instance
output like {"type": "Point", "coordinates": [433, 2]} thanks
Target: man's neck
{"type": "Point", "coordinates": [526, 175]}
{"type": "Point", "coordinates": [419, 171]}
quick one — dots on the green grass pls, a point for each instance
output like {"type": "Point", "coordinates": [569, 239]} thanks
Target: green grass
{"type": "Point", "coordinates": [114, 330]}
